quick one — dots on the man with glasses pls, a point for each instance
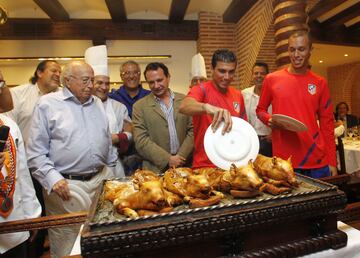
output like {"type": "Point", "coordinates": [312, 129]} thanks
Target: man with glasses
{"type": "Point", "coordinates": [132, 90]}
{"type": "Point", "coordinates": [128, 94]}
{"type": "Point", "coordinates": [70, 148]}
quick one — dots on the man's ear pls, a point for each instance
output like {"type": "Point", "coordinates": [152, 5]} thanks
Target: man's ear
{"type": "Point", "coordinates": [39, 73]}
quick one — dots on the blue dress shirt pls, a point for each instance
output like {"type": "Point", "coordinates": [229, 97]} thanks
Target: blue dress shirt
{"type": "Point", "coordinates": [67, 137]}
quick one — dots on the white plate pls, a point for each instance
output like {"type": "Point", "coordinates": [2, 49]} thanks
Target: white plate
{"type": "Point", "coordinates": [238, 146]}
{"type": "Point", "coordinates": [79, 200]}
{"type": "Point", "coordinates": [289, 123]}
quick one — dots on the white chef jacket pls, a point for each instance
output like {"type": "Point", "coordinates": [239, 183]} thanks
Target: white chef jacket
{"type": "Point", "coordinates": [26, 205]}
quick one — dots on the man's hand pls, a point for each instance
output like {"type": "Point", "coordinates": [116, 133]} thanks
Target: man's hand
{"type": "Point", "coordinates": [2, 159]}
{"type": "Point", "coordinates": [127, 127]}
{"type": "Point", "coordinates": [333, 170]}
{"type": "Point", "coordinates": [61, 188]}
{"type": "Point", "coordinates": [176, 161]}
{"type": "Point", "coordinates": [219, 115]}
{"type": "Point", "coordinates": [114, 139]}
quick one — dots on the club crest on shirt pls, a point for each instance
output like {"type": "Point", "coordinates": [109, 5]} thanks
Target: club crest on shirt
{"type": "Point", "coordinates": [312, 88]}
{"type": "Point", "coordinates": [236, 106]}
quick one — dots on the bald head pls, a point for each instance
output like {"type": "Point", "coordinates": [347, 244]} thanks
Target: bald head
{"type": "Point", "coordinates": [78, 77]}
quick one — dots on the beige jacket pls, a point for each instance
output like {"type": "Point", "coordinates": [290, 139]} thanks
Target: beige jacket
{"type": "Point", "coordinates": [151, 134]}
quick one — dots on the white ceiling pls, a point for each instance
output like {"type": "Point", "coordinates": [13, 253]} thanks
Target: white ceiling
{"type": "Point", "coordinates": [333, 55]}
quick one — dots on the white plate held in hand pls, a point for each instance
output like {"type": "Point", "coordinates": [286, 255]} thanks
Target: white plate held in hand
{"type": "Point", "coordinates": [79, 200]}
{"type": "Point", "coordinates": [289, 123]}
{"type": "Point", "coordinates": [238, 146]}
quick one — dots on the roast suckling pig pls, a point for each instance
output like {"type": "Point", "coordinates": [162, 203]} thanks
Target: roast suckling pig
{"type": "Point", "coordinates": [194, 188]}
{"type": "Point", "coordinates": [276, 172]}
{"type": "Point", "coordinates": [150, 196]}
{"type": "Point", "coordinates": [141, 175]}
{"type": "Point", "coordinates": [238, 181]}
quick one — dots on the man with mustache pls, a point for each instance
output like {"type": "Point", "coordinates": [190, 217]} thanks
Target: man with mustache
{"type": "Point", "coordinates": [298, 92]}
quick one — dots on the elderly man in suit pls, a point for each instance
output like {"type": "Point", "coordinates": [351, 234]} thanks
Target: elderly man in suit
{"type": "Point", "coordinates": [163, 136]}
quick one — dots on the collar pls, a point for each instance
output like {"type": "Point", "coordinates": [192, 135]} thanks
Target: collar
{"type": "Point", "coordinates": [172, 96]}
{"type": "Point", "coordinates": [39, 91]}
{"type": "Point", "coordinates": [68, 95]}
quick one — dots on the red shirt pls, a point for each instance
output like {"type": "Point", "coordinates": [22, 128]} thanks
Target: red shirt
{"type": "Point", "coordinates": [307, 99]}
{"type": "Point", "coordinates": [207, 92]}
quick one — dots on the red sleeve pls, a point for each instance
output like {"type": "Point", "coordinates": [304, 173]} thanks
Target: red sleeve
{"type": "Point", "coordinates": [326, 121]}
{"type": "Point", "coordinates": [242, 108]}
{"type": "Point", "coordinates": [264, 102]}
{"type": "Point", "coordinates": [123, 144]}
{"type": "Point", "coordinates": [197, 93]}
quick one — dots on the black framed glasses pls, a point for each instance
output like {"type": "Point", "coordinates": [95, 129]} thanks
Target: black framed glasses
{"type": "Point", "coordinates": [128, 74]}
{"type": "Point", "coordinates": [85, 80]}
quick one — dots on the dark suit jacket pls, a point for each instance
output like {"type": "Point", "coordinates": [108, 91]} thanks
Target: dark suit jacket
{"type": "Point", "coordinates": [151, 133]}
{"type": "Point", "coordinates": [351, 120]}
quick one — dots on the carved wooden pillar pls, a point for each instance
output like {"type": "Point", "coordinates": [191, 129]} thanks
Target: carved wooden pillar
{"type": "Point", "coordinates": [289, 16]}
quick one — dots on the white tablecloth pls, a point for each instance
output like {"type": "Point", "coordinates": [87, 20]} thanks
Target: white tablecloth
{"type": "Point", "coordinates": [352, 155]}
{"type": "Point", "coordinates": [352, 250]}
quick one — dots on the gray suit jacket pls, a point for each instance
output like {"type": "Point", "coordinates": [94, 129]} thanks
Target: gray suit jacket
{"type": "Point", "coordinates": [151, 134]}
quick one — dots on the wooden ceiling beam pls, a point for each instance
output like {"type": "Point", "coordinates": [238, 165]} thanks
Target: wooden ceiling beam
{"type": "Point", "coordinates": [117, 10]}
{"type": "Point", "coordinates": [19, 29]}
{"type": "Point", "coordinates": [237, 9]}
{"type": "Point", "coordinates": [53, 9]}
{"type": "Point", "coordinates": [344, 16]}
{"type": "Point", "coordinates": [323, 6]}
{"type": "Point", "coordinates": [335, 35]}
{"type": "Point", "coordinates": [178, 10]}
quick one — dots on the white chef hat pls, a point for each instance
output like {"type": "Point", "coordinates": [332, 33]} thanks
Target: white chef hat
{"type": "Point", "coordinates": [97, 58]}
{"type": "Point", "coordinates": [198, 66]}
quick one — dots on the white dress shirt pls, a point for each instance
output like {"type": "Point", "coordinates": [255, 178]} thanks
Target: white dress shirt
{"type": "Point", "coordinates": [68, 137]}
{"type": "Point", "coordinates": [24, 98]}
{"type": "Point", "coordinates": [251, 101]}
{"type": "Point", "coordinates": [26, 205]}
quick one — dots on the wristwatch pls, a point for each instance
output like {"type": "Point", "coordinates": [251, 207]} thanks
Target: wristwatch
{"type": "Point", "coordinates": [2, 84]}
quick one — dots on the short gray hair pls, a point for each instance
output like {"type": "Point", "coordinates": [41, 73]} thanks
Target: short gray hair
{"type": "Point", "coordinates": [129, 62]}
